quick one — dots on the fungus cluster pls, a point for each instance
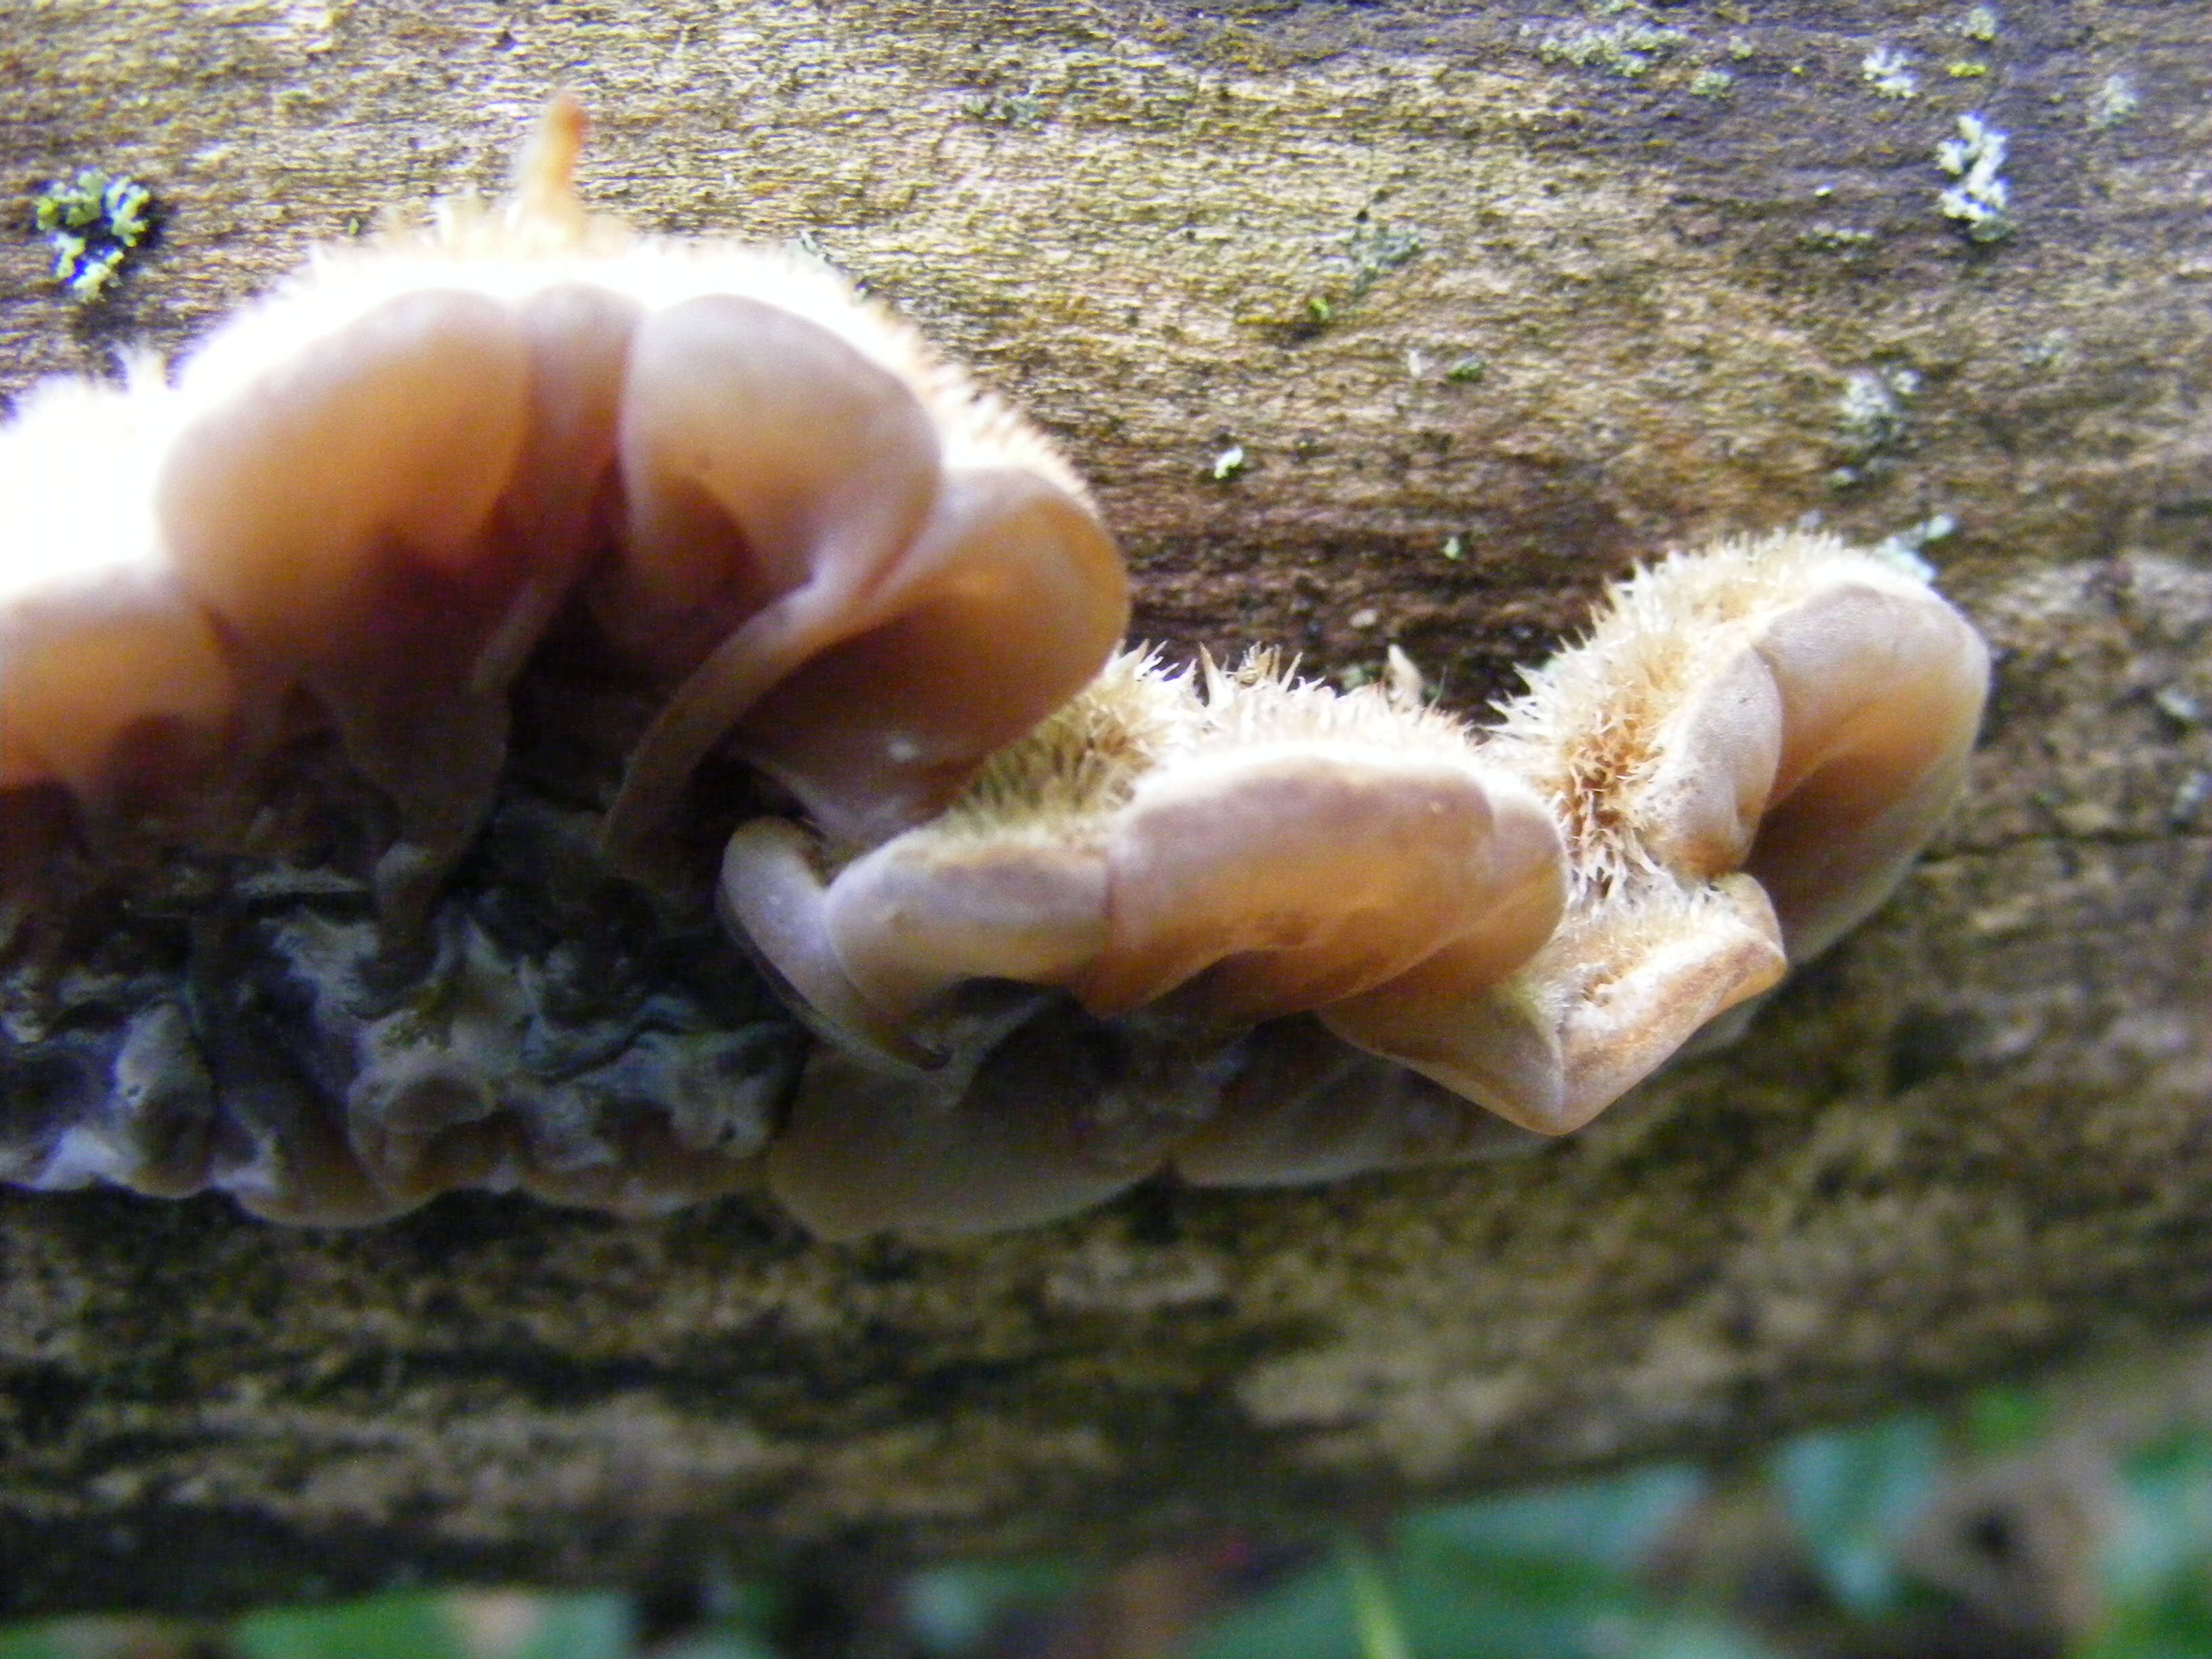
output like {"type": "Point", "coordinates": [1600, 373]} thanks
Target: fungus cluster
{"type": "Point", "coordinates": [1337, 921]}
{"type": "Point", "coordinates": [267, 637]}
{"type": "Point", "coordinates": [359, 721]}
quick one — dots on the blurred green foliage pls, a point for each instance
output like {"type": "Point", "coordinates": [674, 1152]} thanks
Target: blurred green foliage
{"type": "Point", "coordinates": [1851, 1494]}
{"type": "Point", "coordinates": [1540, 1575]}
{"type": "Point", "coordinates": [1567, 1572]}
{"type": "Point", "coordinates": [2157, 1581]}
{"type": "Point", "coordinates": [405, 1627]}
{"type": "Point", "coordinates": [951, 1612]}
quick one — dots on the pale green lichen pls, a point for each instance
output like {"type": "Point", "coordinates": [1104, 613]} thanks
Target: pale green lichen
{"type": "Point", "coordinates": [1886, 71]}
{"type": "Point", "coordinates": [92, 223]}
{"type": "Point", "coordinates": [1871, 414]}
{"type": "Point", "coordinates": [1981, 200]}
{"type": "Point", "coordinates": [1827, 238]}
{"type": "Point", "coordinates": [1372, 250]}
{"type": "Point", "coordinates": [2177, 706]}
{"type": "Point", "coordinates": [1628, 48]}
{"type": "Point", "coordinates": [1711, 83]}
{"type": "Point", "coordinates": [1980, 23]}
{"type": "Point", "coordinates": [2113, 102]}
{"type": "Point", "coordinates": [2189, 798]}
{"type": "Point", "coordinates": [1466, 371]}
{"type": "Point", "coordinates": [1376, 251]}
{"type": "Point", "coordinates": [1227, 464]}
{"type": "Point", "coordinates": [1871, 408]}
{"type": "Point", "coordinates": [1966, 68]}
{"type": "Point", "coordinates": [1360, 259]}
{"type": "Point", "coordinates": [1017, 110]}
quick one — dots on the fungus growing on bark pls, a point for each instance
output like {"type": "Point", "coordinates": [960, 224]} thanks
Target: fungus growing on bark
{"type": "Point", "coordinates": [1250, 845]}
{"type": "Point", "coordinates": [1732, 769]}
{"type": "Point", "coordinates": [382, 483]}
{"type": "Point", "coordinates": [352, 692]}
{"type": "Point", "coordinates": [1743, 756]}
{"type": "Point", "coordinates": [1199, 852]}
{"type": "Point", "coordinates": [105, 658]}
{"type": "Point", "coordinates": [260, 635]}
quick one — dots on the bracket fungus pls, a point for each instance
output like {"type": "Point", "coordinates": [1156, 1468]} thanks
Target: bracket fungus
{"type": "Point", "coordinates": [271, 634]}
{"type": "Point", "coordinates": [370, 722]}
{"type": "Point", "coordinates": [1264, 877]}
{"type": "Point", "coordinates": [1744, 755]}
{"type": "Point", "coordinates": [367, 498]}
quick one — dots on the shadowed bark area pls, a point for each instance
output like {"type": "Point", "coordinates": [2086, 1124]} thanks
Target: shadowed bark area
{"type": "Point", "coordinates": [1492, 301]}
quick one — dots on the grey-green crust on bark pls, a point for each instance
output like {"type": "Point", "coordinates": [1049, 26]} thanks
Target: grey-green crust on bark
{"type": "Point", "coordinates": [1976, 1135]}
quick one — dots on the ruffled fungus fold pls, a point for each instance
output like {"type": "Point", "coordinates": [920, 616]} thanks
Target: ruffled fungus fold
{"type": "Point", "coordinates": [1005, 603]}
{"type": "Point", "coordinates": [331, 502]}
{"type": "Point", "coordinates": [1298, 1104]}
{"type": "Point", "coordinates": [114, 685]}
{"type": "Point", "coordinates": [1042, 1113]}
{"type": "Point", "coordinates": [1268, 878]}
{"type": "Point", "coordinates": [1257, 849]}
{"type": "Point", "coordinates": [1743, 756]}
{"type": "Point", "coordinates": [273, 631]}
{"type": "Point", "coordinates": [800, 527]}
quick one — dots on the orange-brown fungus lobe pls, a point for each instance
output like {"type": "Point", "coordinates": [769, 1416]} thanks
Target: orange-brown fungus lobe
{"type": "Point", "coordinates": [1263, 877]}
{"type": "Point", "coordinates": [380, 484]}
{"type": "Point", "coordinates": [1744, 756]}
{"type": "Point", "coordinates": [281, 613]}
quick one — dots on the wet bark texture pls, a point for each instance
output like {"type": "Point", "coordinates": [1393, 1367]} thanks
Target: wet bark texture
{"type": "Point", "coordinates": [1493, 301]}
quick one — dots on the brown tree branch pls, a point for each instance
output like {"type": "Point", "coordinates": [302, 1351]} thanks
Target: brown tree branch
{"type": "Point", "coordinates": [1493, 301]}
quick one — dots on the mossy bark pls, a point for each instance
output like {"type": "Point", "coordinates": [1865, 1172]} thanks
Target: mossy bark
{"type": "Point", "coordinates": [1493, 302]}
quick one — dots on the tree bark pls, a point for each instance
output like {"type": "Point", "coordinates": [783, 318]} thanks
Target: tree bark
{"type": "Point", "coordinates": [1493, 302]}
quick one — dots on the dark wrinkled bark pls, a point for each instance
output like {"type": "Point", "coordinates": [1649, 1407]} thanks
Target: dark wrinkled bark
{"type": "Point", "coordinates": [1487, 322]}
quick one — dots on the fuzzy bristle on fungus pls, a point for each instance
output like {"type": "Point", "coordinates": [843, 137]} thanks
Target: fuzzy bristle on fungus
{"type": "Point", "coordinates": [1246, 844]}
{"type": "Point", "coordinates": [111, 678]}
{"type": "Point", "coordinates": [1349, 920]}
{"type": "Point", "coordinates": [1743, 755]}
{"type": "Point", "coordinates": [1182, 857]}
{"type": "Point", "coordinates": [799, 528]}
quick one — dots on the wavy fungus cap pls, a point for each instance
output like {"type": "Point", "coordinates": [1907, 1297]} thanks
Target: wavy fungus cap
{"type": "Point", "coordinates": [1744, 756]}
{"type": "Point", "coordinates": [1258, 848]}
{"type": "Point", "coordinates": [1735, 766]}
{"type": "Point", "coordinates": [103, 654]}
{"type": "Point", "coordinates": [368, 496]}
{"type": "Point", "coordinates": [263, 633]}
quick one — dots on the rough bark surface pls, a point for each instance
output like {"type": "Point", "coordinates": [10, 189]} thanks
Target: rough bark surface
{"type": "Point", "coordinates": [1494, 301]}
